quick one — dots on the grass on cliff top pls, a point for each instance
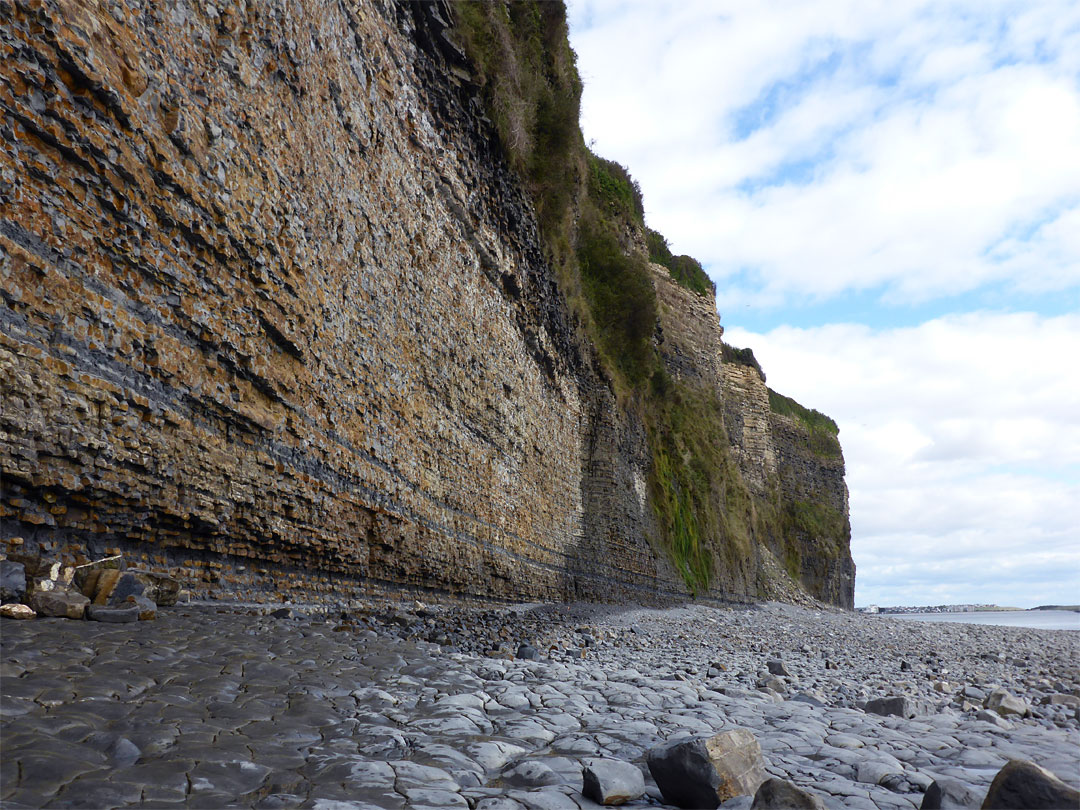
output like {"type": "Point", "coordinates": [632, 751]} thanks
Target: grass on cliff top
{"type": "Point", "coordinates": [822, 431]}
{"type": "Point", "coordinates": [686, 270]}
{"type": "Point", "coordinates": [742, 357]}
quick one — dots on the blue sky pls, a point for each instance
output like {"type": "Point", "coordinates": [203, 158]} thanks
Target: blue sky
{"type": "Point", "coordinates": [887, 196]}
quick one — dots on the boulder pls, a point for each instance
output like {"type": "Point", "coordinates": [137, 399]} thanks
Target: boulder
{"type": "Point", "coordinates": [946, 793]}
{"type": "Point", "coordinates": [897, 706]}
{"type": "Point", "coordinates": [611, 781]}
{"type": "Point", "coordinates": [162, 588]}
{"type": "Point", "coordinates": [91, 570]}
{"type": "Point", "coordinates": [1006, 704]}
{"type": "Point", "coordinates": [61, 603]}
{"type": "Point", "coordinates": [703, 772]}
{"type": "Point", "coordinates": [12, 581]}
{"type": "Point", "coordinates": [1023, 785]}
{"type": "Point", "coordinates": [527, 652]}
{"type": "Point", "coordinates": [16, 610]}
{"type": "Point", "coordinates": [778, 794]}
{"type": "Point", "coordinates": [128, 584]}
{"type": "Point", "coordinates": [778, 668]}
{"type": "Point", "coordinates": [146, 606]}
{"type": "Point", "coordinates": [113, 614]}
{"type": "Point", "coordinates": [102, 585]}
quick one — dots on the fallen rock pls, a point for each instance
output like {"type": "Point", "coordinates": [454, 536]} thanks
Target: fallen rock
{"type": "Point", "coordinates": [778, 668]}
{"type": "Point", "coordinates": [12, 581]}
{"type": "Point", "coordinates": [128, 584]}
{"type": "Point", "coordinates": [147, 607]}
{"type": "Point", "coordinates": [16, 610]}
{"type": "Point", "coordinates": [113, 614]}
{"type": "Point", "coordinates": [896, 706]}
{"type": "Point", "coordinates": [703, 772]}
{"type": "Point", "coordinates": [162, 588]}
{"type": "Point", "coordinates": [1005, 704]}
{"type": "Point", "coordinates": [60, 603]}
{"type": "Point", "coordinates": [946, 793]}
{"type": "Point", "coordinates": [778, 794]}
{"type": "Point", "coordinates": [527, 652]}
{"type": "Point", "coordinates": [85, 576]}
{"type": "Point", "coordinates": [1023, 785]}
{"type": "Point", "coordinates": [611, 781]}
{"type": "Point", "coordinates": [102, 585]}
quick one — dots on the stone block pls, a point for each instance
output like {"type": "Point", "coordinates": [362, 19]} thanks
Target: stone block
{"type": "Point", "coordinates": [60, 603]}
{"type": "Point", "coordinates": [703, 772]}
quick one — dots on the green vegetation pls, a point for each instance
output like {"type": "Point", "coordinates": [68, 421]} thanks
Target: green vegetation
{"type": "Point", "coordinates": [822, 430]}
{"type": "Point", "coordinates": [621, 299]}
{"type": "Point", "coordinates": [701, 503]}
{"type": "Point", "coordinates": [614, 191]}
{"type": "Point", "coordinates": [590, 214]}
{"type": "Point", "coordinates": [684, 269]}
{"type": "Point", "coordinates": [811, 519]}
{"type": "Point", "coordinates": [528, 74]}
{"type": "Point", "coordinates": [744, 357]}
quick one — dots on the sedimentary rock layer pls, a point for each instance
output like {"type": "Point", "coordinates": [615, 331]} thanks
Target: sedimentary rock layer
{"type": "Point", "coordinates": [275, 314]}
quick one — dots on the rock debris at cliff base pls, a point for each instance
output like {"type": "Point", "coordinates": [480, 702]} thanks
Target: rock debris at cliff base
{"type": "Point", "coordinates": [208, 706]}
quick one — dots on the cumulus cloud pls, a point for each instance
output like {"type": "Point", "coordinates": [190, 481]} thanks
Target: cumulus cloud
{"type": "Point", "coordinates": [962, 441]}
{"type": "Point", "coordinates": [915, 149]}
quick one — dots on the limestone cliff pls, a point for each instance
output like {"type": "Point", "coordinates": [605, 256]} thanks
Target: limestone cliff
{"type": "Point", "coordinates": [276, 316]}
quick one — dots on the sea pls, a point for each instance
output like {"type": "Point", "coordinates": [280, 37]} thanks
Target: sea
{"type": "Point", "coordinates": [1039, 619]}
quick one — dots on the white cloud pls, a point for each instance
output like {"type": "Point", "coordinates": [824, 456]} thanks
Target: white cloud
{"type": "Point", "coordinates": [924, 148]}
{"type": "Point", "coordinates": [962, 437]}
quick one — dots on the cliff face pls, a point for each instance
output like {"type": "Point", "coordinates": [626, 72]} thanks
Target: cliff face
{"type": "Point", "coordinates": [275, 316]}
{"type": "Point", "coordinates": [794, 477]}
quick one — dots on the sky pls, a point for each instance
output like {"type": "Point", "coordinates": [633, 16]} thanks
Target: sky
{"type": "Point", "coordinates": [887, 195]}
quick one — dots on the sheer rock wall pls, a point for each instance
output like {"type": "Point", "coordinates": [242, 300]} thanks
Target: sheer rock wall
{"type": "Point", "coordinates": [275, 316]}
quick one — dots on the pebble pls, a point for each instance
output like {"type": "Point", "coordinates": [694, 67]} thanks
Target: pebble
{"type": "Point", "coordinates": [365, 706]}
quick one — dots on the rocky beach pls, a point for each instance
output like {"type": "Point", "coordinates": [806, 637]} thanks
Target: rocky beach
{"type": "Point", "coordinates": [411, 705]}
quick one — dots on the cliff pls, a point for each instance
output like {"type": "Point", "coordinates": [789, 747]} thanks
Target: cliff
{"type": "Point", "coordinates": [278, 315]}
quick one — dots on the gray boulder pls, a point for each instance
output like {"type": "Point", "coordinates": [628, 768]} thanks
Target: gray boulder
{"type": "Point", "coordinates": [61, 603]}
{"type": "Point", "coordinates": [12, 581]}
{"type": "Point", "coordinates": [1006, 704]}
{"type": "Point", "coordinates": [611, 781]}
{"type": "Point", "coordinates": [778, 794]}
{"type": "Point", "coordinates": [703, 772]}
{"type": "Point", "coordinates": [1023, 785]}
{"type": "Point", "coordinates": [897, 706]}
{"type": "Point", "coordinates": [113, 614]}
{"type": "Point", "coordinates": [946, 793]}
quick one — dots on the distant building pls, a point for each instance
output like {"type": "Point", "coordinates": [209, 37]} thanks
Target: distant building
{"type": "Point", "coordinates": [870, 609]}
